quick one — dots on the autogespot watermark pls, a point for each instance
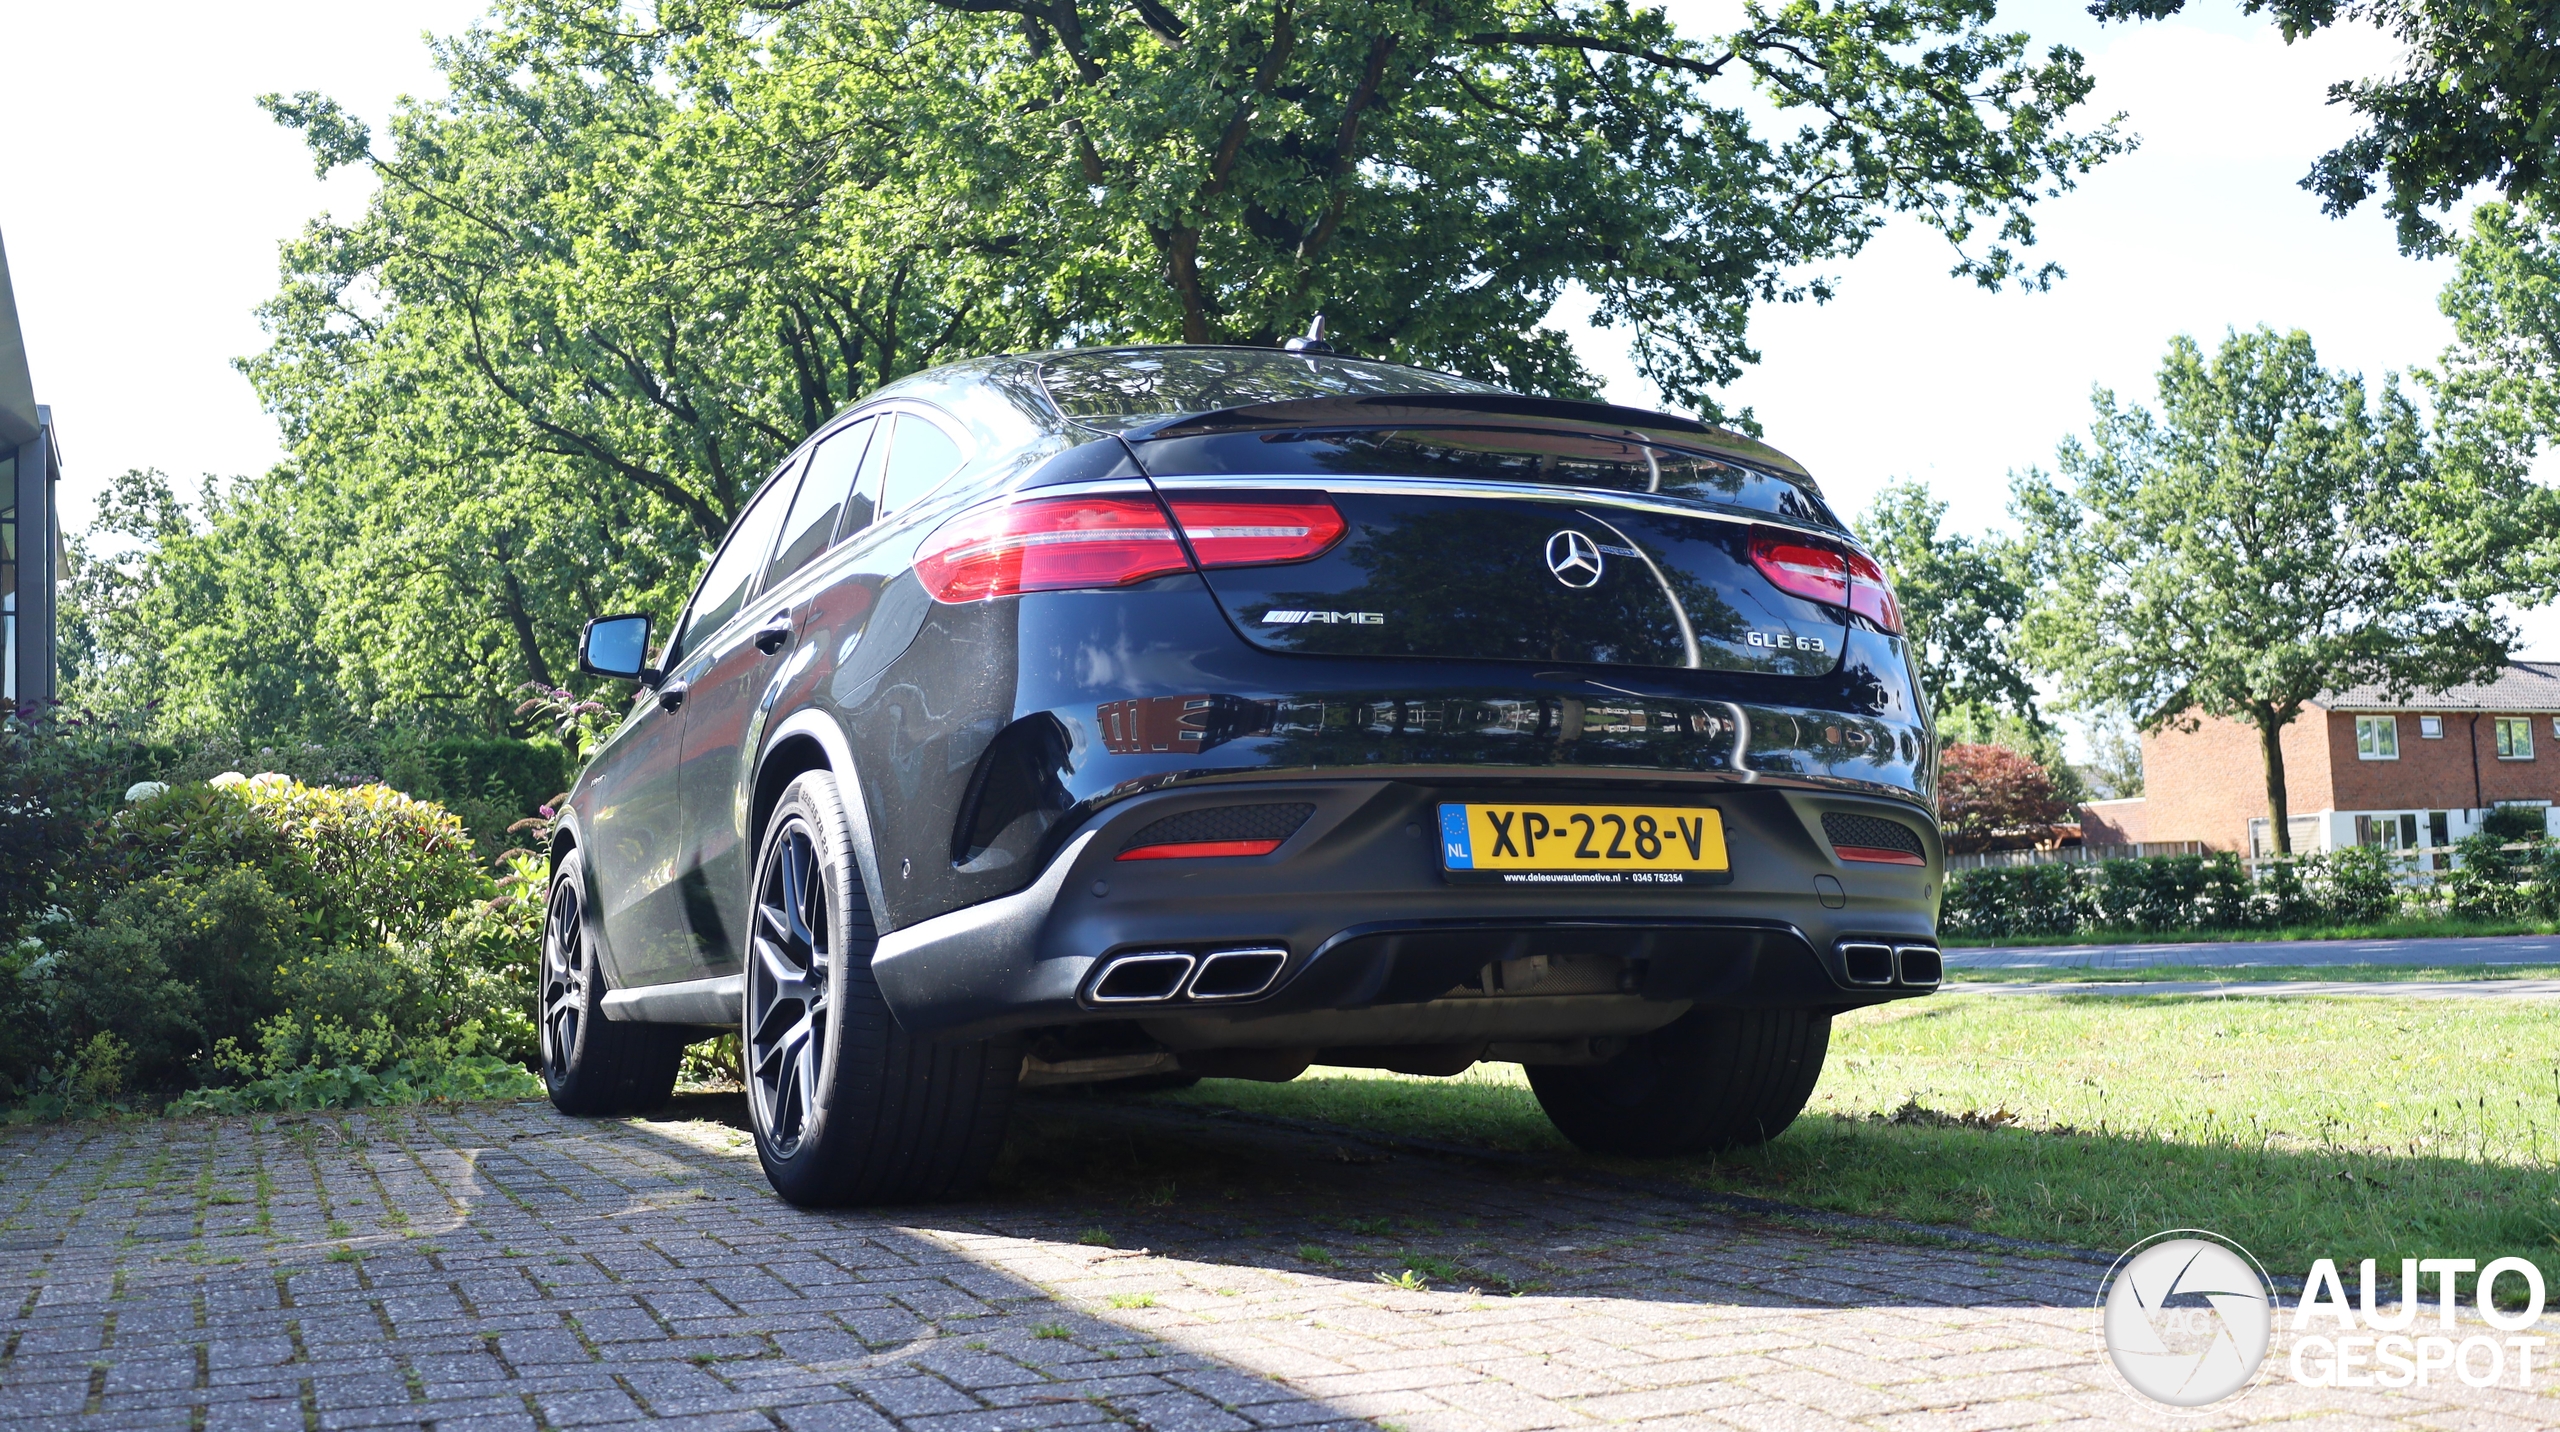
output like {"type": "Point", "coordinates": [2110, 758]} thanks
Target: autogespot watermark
{"type": "Point", "coordinates": [2189, 1318]}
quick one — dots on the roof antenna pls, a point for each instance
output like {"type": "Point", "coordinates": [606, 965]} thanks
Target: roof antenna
{"type": "Point", "coordinates": [1313, 342]}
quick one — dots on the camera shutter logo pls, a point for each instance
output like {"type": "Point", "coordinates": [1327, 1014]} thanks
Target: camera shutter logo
{"type": "Point", "coordinates": [1574, 559]}
{"type": "Point", "coordinates": [2188, 1319]}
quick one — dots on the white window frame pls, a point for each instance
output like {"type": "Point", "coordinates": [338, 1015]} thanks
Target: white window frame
{"type": "Point", "coordinates": [2377, 738]}
{"type": "Point", "coordinates": [2430, 728]}
{"type": "Point", "coordinates": [2508, 749]}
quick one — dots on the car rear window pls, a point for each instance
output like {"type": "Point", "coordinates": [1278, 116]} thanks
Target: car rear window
{"type": "Point", "coordinates": [1124, 388]}
{"type": "Point", "coordinates": [1543, 457]}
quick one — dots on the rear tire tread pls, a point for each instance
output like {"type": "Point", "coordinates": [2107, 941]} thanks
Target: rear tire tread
{"type": "Point", "coordinates": [908, 1120]}
{"type": "Point", "coordinates": [1710, 1080]}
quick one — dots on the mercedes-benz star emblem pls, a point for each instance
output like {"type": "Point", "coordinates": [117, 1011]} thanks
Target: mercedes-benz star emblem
{"type": "Point", "coordinates": [1574, 558]}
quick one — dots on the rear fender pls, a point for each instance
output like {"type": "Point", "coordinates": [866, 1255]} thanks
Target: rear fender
{"type": "Point", "coordinates": [812, 725]}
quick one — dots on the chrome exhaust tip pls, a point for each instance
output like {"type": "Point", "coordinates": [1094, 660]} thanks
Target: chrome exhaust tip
{"type": "Point", "coordinates": [1919, 965]}
{"type": "Point", "coordinates": [1237, 974]}
{"type": "Point", "coordinates": [1867, 964]}
{"type": "Point", "coordinates": [1148, 978]}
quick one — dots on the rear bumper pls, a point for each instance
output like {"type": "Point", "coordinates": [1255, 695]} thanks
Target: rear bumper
{"type": "Point", "coordinates": [1380, 949]}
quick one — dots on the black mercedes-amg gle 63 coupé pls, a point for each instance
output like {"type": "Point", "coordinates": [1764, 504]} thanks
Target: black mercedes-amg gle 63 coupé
{"type": "Point", "coordinates": [1178, 712]}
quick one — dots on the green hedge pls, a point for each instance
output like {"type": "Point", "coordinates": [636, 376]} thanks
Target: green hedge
{"type": "Point", "coordinates": [2173, 892]}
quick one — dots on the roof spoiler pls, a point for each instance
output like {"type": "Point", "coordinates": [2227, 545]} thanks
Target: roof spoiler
{"type": "Point", "coordinates": [1398, 409]}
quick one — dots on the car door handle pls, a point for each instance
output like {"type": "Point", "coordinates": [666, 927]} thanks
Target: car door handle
{"type": "Point", "coordinates": [671, 695]}
{"type": "Point", "coordinates": [771, 636]}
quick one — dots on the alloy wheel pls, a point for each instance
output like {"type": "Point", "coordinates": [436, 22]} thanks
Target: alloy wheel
{"type": "Point", "coordinates": [564, 980]}
{"type": "Point", "coordinates": [787, 990]}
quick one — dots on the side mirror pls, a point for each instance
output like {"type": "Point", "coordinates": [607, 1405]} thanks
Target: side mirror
{"type": "Point", "coordinates": [617, 646]}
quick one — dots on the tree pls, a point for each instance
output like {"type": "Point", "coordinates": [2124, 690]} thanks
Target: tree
{"type": "Point", "coordinates": [2499, 382]}
{"type": "Point", "coordinates": [1961, 602]}
{"type": "Point", "coordinates": [2114, 771]}
{"type": "Point", "coordinates": [636, 254]}
{"type": "Point", "coordinates": [2271, 533]}
{"type": "Point", "coordinates": [1987, 794]}
{"type": "Point", "coordinates": [2478, 104]}
{"type": "Point", "coordinates": [211, 620]}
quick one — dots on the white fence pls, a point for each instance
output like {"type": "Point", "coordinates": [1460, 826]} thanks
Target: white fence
{"type": "Point", "coordinates": [2072, 854]}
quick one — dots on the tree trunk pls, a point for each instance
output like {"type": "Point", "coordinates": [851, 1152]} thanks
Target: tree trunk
{"type": "Point", "coordinates": [2279, 821]}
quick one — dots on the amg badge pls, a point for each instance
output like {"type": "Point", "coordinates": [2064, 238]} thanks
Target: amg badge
{"type": "Point", "coordinates": [1329, 618]}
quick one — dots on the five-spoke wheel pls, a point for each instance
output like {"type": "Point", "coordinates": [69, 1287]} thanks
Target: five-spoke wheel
{"type": "Point", "coordinates": [849, 1107]}
{"type": "Point", "coordinates": [788, 966]}
{"type": "Point", "coordinates": [591, 1064]}
{"type": "Point", "coordinates": [564, 979]}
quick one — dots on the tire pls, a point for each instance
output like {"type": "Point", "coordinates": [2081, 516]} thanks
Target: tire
{"type": "Point", "coordinates": [1712, 1079]}
{"type": "Point", "coordinates": [592, 1065]}
{"type": "Point", "coordinates": [847, 1106]}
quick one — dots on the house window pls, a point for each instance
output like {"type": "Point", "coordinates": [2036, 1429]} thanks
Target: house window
{"type": "Point", "coordinates": [2431, 728]}
{"type": "Point", "coordinates": [2387, 832]}
{"type": "Point", "coordinates": [2378, 738]}
{"type": "Point", "coordinates": [2515, 738]}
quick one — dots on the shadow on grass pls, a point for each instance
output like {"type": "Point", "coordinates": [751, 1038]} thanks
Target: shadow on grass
{"type": "Point", "coordinates": [2098, 1190]}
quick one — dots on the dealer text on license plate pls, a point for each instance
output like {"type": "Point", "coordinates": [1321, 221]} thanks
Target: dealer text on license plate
{"type": "Point", "coordinates": [1581, 844]}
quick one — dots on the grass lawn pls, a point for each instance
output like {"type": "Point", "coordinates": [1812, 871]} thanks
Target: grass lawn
{"type": "Point", "coordinates": [2388, 930]}
{"type": "Point", "coordinates": [2303, 1128]}
{"type": "Point", "coordinates": [2227, 974]}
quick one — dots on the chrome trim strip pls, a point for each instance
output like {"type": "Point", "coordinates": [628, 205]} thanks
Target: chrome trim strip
{"type": "Point", "coordinates": [711, 1001]}
{"type": "Point", "coordinates": [1097, 487]}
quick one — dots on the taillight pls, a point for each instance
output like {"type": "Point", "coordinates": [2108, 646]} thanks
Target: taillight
{"type": "Point", "coordinates": [1047, 545]}
{"type": "Point", "coordinates": [1226, 532]}
{"type": "Point", "coordinates": [1817, 574]}
{"type": "Point", "coordinates": [1054, 544]}
{"type": "Point", "coordinates": [1825, 574]}
{"type": "Point", "coordinates": [1870, 596]}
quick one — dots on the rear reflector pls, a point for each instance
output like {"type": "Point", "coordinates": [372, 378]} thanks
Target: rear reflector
{"type": "Point", "coordinates": [1870, 854]}
{"type": "Point", "coordinates": [1051, 544]}
{"type": "Point", "coordinates": [1817, 573]}
{"type": "Point", "coordinates": [1873, 839]}
{"type": "Point", "coordinates": [1195, 849]}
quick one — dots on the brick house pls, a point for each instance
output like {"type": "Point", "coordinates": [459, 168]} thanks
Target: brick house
{"type": "Point", "coordinates": [2360, 769]}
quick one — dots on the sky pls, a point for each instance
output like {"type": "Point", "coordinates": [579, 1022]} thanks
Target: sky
{"type": "Point", "coordinates": [141, 252]}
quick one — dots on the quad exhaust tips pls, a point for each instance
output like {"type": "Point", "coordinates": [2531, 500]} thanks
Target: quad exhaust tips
{"type": "Point", "coordinates": [1163, 976]}
{"type": "Point", "coordinates": [1142, 979]}
{"type": "Point", "coordinates": [1876, 965]}
{"type": "Point", "coordinates": [1237, 974]}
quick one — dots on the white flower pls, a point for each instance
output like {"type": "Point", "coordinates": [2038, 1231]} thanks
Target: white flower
{"type": "Point", "coordinates": [228, 778]}
{"type": "Point", "coordinates": [145, 790]}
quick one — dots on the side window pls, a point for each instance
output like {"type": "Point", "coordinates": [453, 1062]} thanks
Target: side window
{"type": "Point", "coordinates": [733, 572]}
{"type": "Point", "coordinates": [824, 487]}
{"type": "Point", "coordinates": [921, 457]}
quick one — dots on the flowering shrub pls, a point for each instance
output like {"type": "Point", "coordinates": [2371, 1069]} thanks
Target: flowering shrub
{"type": "Point", "coordinates": [264, 934]}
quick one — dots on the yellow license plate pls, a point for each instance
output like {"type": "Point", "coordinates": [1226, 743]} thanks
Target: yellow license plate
{"type": "Point", "coordinates": [1582, 844]}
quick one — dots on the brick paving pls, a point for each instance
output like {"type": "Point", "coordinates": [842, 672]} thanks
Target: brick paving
{"type": "Point", "coordinates": [501, 1266]}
